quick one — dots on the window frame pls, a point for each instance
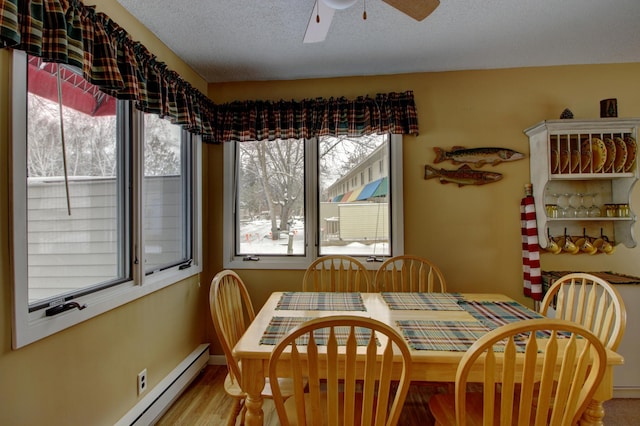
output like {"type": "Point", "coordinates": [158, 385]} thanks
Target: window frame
{"type": "Point", "coordinates": [29, 327]}
{"type": "Point", "coordinates": [186, 195]}
{"type": "Point", "coordinates": [312, 205]}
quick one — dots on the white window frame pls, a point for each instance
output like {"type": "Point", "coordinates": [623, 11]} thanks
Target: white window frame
{"type": "Point", "coordinates": [30, 327]}
{"type": "Point", "coordinates": [232, 261]}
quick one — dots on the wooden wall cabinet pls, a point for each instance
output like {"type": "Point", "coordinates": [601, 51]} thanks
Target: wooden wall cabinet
{"type": "Point", "coordinates": [567, 161]}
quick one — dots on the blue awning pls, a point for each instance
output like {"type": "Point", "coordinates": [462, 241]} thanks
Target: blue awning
{"type": "Point", "coordinates": [369, 189]}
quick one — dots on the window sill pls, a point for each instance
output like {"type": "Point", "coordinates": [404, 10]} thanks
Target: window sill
{"type": "Point", "coordinates": [284, 263]}
{"type": "Point", "coordinates": [35, 326]}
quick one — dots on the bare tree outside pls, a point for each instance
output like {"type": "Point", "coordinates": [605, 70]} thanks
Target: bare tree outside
{"type": "Point", "coordinates": [90, 148]}
{"type": "Point", "coordinates": [271, 186]}
{"type": "Point", "coordinates": [339, 155]}
{"type": "Point", "coordinates": [273, 180]}
{"type": "Point", "coordinates": [89, 143]}
{"type": "Point", "coordinates": [162, 147]}
{"type": "Point", "coordinates": [77, 221]}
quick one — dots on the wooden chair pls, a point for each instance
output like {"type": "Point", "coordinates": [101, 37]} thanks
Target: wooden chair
{"type": "Point", "coordinates": [349, 395]}
{"type": "Point", "coordinates": [590, 301]}
{"type": "Point", "coordinates": [336, 273]}
{"type": "Point", "coordinates": [232, 312]}
{"type": "Point", "coordinates": [550, 383]}
{"type": "Point", "coordinates": [409, 274]}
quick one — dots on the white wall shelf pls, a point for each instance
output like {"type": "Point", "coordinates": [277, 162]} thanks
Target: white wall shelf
{"type": "Point", "coordinates": [563, 161]}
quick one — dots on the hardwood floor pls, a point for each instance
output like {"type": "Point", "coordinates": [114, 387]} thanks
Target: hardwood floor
{"type": "Point", "coordinates": [205, 403]}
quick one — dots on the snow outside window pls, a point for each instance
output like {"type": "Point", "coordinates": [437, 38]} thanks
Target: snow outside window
{"type": "Point", "coordinates": [288, 202]}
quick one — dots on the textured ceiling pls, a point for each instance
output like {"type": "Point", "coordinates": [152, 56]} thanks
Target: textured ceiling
{"type": "Point", "coordinates": [244, 40]}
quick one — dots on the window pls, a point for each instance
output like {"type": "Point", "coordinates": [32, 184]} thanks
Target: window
{"type": "Point", "coordinates": [270, 206]}
{"type": "Point", "coordinates": [289, 201]}
{"type": "Point", "coordinates": [76, 238]}
{"type": "Point", "coordinates": [356, 222]}
{"type": "Point", "coordinates": [167, 195]}
{"type": "Point", "coordinates": [83, 168]}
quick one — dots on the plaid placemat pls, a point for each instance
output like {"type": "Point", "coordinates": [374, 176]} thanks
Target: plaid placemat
{"type": "Point", "coordinates": [279, 326]}
{"type": "Point", "coordinates": [441, 335]}
{"type": "Point", "coordinates": [320, 301]}
{"type": "Point", "coordinates": [495, 314]}
{"type": "Point", "coordinates": [423, 301]}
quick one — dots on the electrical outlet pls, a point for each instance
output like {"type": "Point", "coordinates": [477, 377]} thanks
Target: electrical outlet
{"type": "Point", "coordinates": [142, 381]}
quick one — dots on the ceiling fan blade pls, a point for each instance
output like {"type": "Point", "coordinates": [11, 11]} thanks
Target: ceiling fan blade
{"type": "Point", "coordinates": [417, 9]}
{"type": "Point", "coordinates": [317, 31]}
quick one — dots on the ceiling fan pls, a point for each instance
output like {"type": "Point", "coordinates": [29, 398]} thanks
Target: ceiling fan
{"type": "Point", "coordinates": [324, 9]}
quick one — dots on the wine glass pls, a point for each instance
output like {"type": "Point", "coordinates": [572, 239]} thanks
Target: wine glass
{"type": "Point", "coordinates": [563, 203]}
{"type": "Point", "coordinates": [590, 203]}
{"type": "Point", "coordinates": [583, 209]}
{"type": "Point", "coordinates": [575, 203]}
{"type": "Point", "coordinates": [551, 198]}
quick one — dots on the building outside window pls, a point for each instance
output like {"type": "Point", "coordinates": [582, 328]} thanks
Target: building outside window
{"type": "Point", "coordinates": [84, 165]}
{"type": "Point", "coordinates": [290, 201]}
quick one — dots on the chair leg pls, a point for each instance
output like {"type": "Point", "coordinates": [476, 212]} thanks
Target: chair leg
{"type": "Point", "coordinates": [242, 413]}
{"type": "Point", "coordinates": [235, 410]}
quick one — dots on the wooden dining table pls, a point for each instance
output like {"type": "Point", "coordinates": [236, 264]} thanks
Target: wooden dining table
{"type": "Point", "coordinates": [438, 327]}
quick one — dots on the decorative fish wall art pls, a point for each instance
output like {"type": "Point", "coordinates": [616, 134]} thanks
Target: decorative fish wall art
{"type": "Point", "coordinates": [477, 156]}
{"type": "Point", "coordinates": [465, 175]}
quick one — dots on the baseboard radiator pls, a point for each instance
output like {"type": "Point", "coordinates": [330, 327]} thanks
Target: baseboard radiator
{"type": "Point", "coordinates": [158, 400]}
{"type": "Point", "coordinates": [626, 391]}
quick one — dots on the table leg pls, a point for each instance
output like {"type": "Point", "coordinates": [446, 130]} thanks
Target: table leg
{"type": "Point", "coordinates": [594, 414]}
{"type": "Point", "coordinates": [253, 384]}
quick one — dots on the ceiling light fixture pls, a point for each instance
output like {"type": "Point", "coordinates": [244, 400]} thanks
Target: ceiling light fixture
{"type": "Point", "coordinates": [317, 28]}
{"type": "Point", "coordinates": [340, 4]}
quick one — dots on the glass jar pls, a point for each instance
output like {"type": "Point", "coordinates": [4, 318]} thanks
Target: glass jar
{"type": "Point", "coordinates": [623, 210]}
{"type": "Point", "coordinates": [611, 210]}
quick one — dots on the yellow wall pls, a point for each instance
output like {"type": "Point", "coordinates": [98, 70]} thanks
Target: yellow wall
{"type": "Point", "coordinates": [472, 233]}
{"type": "Point", "coordinates": [86, 375]}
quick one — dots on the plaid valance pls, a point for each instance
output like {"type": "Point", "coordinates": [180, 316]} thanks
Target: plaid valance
{"type": "Point", "coordinates": [263, 120]}
{"type": "Point", "coordinates": [66, 31]}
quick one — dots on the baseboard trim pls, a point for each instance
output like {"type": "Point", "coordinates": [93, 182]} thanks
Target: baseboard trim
{"type": "Point", "coordinates": [153, 405]}
{"type": "Point", "coordinates": [217, 360]}
{"type": "Point", "coordinates": [626, 392]}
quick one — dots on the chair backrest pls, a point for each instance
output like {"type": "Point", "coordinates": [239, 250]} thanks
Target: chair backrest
{"type": "Point", "coordinates": [408, 273]}
{"type": "Point", "coordinates": [335, 351]}
{"type": "Point", "coordinates": [231, 312]}
{"type": "Point", "coordinates": [557, 368]}
{"type": "Point", "coordinates": [336, 273]}
{"type": "Point", "coordinates": [590, 301]}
